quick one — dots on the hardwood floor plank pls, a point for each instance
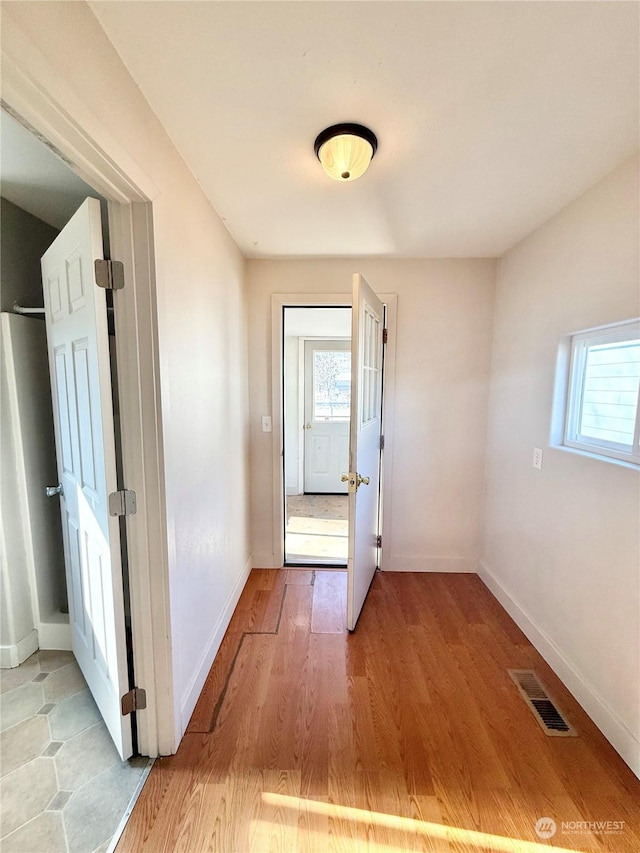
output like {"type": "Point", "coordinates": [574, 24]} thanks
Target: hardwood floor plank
{"type": "Point", "coordinates": [313, 827]}
{"type": "Point", "coordinates": [258, 610]}
{"type": "Point", "coordinates": [300, 577]}
{"type": "Point", "coordinates": [407, 734]}
{"type": "Point", "coordinates": [342, 749]}
{"type": "Point", "coordinates": [329, 603]}
{"type": "Point", "coordinates": [274, 824]}
{"type": "Point", "coordinates": [364, 735]}
{"type": "Point", "coordinates": [202, 717]}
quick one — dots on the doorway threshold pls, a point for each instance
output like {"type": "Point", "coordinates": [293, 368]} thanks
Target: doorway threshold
{"type": "Point", "coordinates": [310, 563]}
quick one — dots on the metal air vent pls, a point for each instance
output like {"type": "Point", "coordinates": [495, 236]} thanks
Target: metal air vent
{"type": "Point", "coordinates": [545, 709]}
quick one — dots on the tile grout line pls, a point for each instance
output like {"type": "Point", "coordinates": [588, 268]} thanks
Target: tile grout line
{"type": "Point", "coordinates": [25, 825]}
{"type": "Point", "coordinates": [58, 789]}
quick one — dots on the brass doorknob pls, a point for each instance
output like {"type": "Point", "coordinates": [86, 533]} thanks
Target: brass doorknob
{"type": "Point", "coordinates": [354, 480]}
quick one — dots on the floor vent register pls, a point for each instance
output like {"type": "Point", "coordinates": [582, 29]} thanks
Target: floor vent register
{"type": "Point", "coordinates": [545, 709]}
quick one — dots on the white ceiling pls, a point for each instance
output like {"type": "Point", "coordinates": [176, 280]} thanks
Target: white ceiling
{"type": "Point", "coordinates": [35, 178]}
{"type": "Point", "coordinates": [490, 116]}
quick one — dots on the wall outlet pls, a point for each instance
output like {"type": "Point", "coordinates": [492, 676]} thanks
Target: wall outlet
{"type": "Point", "coordinates": [266, 423]}
{"type": "Point", "coordinates": [537, 458]}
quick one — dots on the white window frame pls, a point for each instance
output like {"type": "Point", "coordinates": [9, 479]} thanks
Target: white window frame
{"type": "Point", "coordinates": [580, 342]}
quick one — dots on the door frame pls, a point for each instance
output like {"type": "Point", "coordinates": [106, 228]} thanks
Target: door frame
{"type": "Point", "coordinates": [279, 301]}
{"type": "Point", "coordinates": [44, 108]}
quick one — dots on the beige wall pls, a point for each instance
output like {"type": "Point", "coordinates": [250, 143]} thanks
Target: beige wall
{"type": "Point", "coordinates": [561, 545]}
{"type": "Point", "coordinates": [443, 346]}
{"type": "Point", "coordinates": [201, 329]}
{"type": "Point", "coordinates": [23, 241]}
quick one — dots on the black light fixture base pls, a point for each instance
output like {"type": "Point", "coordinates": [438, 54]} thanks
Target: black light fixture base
{"type": "Point", "coordinates": [340, 129]}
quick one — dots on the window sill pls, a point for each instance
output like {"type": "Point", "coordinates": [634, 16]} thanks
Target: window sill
{"type": "Point", "coordinates": [622, 463]}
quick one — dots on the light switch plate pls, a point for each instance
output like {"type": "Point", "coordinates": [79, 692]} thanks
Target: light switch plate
{"type": "Point", "coordinates": [537, 458]}
{"type": "Point", "coordinates": [266, 423]}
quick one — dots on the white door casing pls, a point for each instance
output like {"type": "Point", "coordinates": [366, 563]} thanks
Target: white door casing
{"type": "Point", "coordinates": [325, 436]}
{"type": "Point", "coordinates": [364, 448]}
{"type": "Point", "coordinates": [78, 346]}
{"type": "Point", "coordinates": [279, 301]}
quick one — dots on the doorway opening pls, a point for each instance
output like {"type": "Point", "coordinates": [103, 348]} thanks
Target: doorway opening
{"type": "Point", "coordinates": [40, 196]}
{"type": "Point", "coordinates": [91, 155]}
{"type": "Point", "coordinates": [65, 418]}
{"type": "Point", "coordinates": [316, 380]}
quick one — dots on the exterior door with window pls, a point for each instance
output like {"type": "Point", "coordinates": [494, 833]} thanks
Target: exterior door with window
{"type": "Point", "coordinates": [367, 338]}
{"type": "Point", "coordinates": [327, 396]}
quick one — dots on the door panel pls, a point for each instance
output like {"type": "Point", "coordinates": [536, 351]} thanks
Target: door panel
{"type": "Point", "coordinates": [326, 408]}
{"type": "Point", "coordinates": [364, 450]}
{"type": "Point", "coordinates": [78, 345]}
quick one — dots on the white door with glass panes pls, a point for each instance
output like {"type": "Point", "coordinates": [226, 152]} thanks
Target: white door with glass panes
{"type": "Point", "coordinates": [327, 402]}
{"type": "Point", "coordinates": [367, 346]}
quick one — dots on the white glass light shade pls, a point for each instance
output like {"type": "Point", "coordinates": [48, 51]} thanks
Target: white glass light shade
{"type": "Point", "coordinates": [345, 157]}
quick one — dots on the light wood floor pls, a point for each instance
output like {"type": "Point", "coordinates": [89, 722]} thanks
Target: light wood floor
{"type": "Point", "coordinates": [406, 735]}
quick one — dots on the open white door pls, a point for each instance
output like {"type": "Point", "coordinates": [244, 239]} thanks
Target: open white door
{"type": "Point", "coordinates": [367, 327]}
{"type": "Point", "coordinates": [78, 345]}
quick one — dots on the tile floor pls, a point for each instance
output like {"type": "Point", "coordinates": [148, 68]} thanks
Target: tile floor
{"type": "Point", "coordinates": [318, 506]}
{"type": "Point", "coordinates": [63, 787]}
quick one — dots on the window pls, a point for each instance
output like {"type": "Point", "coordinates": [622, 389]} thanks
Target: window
{"type": "Point", "coordinates": [602, 410]}
{"type": "Point", "coordinates": [371, 363]}
{"type": "Point", "coordinates": [331, 385]}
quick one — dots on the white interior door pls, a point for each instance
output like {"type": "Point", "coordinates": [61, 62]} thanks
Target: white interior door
{"type": "Point", "coordinates": [327, 395]}
{"type": "Point", "coordinates": [364, 447]}
{"type": "Point", "coordinates": [78, 345]}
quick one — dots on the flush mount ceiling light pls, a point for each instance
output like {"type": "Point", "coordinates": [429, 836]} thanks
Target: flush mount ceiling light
{"type": "Point", "coordinates": [345, 150]}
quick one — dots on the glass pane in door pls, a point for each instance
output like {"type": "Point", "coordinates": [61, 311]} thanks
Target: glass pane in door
{"type": "Point", "coordinates": [331, 385]}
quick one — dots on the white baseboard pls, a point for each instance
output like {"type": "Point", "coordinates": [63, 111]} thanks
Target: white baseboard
{"type": "Point", "coordinates": [392, 563]}
{"type": "Point", "coordinates": [13, 655]}
{"type": "Point", "coordinates": [202, 671]}
{"type": "Point", "coordinates": [619, 736]}
{"type": "Point", "coordinates": [264, 561]}
{"type": "Point", "coordinates": [54, 635]}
